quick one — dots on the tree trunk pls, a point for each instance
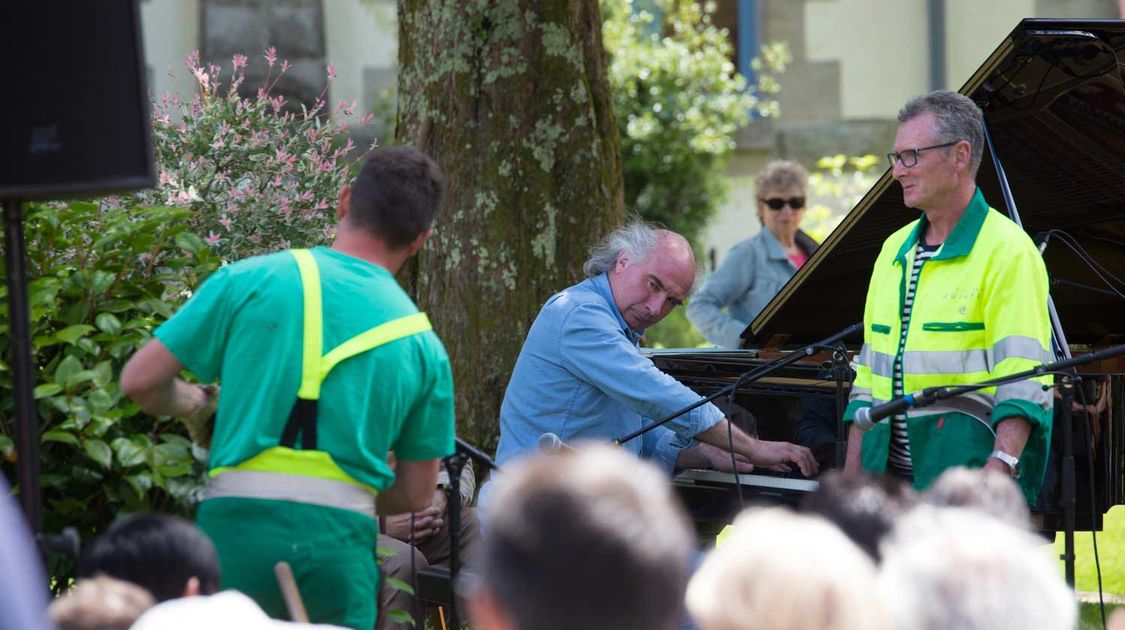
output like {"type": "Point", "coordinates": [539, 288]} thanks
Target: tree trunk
{"type": "Point", "coordinates": [511, 98]}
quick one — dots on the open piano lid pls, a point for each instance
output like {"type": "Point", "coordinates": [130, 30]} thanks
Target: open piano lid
{"type": "Point", "coordinates": [1053, 99]}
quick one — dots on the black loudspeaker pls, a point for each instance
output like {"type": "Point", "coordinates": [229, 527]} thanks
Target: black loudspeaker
{"type": "Point", "coordinates": [74, 112]}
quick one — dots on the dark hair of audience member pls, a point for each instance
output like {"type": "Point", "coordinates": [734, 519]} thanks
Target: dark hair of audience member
{"type": "Point", "coordinates": [159, 552]}
{"type": "Point", "coordinates": [396, 195]}
{"type": "Point", "coordinates": [862, 505]}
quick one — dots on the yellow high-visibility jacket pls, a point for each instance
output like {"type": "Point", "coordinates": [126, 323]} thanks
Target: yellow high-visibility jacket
{"type": "Point", "coordinates": [979, 312]}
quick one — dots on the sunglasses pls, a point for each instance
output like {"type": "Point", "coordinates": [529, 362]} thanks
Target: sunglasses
{"type": "Point", "coordinates": [777, 203]}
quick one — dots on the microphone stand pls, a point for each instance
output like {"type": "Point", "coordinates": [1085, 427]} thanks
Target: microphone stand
{"type": "Point", "coordinates": [751, 376]}
{"type": "Point", "coordinates": [454, 465]}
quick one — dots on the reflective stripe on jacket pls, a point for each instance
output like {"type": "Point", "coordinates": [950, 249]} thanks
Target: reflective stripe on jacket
{"type": "Point", "coordinates": [979, 312]}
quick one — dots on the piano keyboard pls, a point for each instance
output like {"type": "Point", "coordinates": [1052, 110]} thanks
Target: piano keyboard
{"type": "Point", "coordinates": [696, 476]}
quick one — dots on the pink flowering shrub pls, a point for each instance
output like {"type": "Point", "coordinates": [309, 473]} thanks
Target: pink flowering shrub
{"type": "Point", "coordinates": [257, 175]}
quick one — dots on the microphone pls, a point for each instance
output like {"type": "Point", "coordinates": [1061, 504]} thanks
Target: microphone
{"type": "Point", "coordinates": [866, 417]}
{"type": "Point", "coordinates": [551, 443]}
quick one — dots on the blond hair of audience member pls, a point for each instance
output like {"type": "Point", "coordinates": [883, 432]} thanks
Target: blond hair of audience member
{"type": "Point", "coordinates": [960, 568]}
{"type": "Point", "coordinates": [590, 539]}
{"type": "Point", "coordinates": [988, 491]}
{"type": "Point", "coordinates": [100, 603]}
{"type": "Point", "coordinates": [785, 571]}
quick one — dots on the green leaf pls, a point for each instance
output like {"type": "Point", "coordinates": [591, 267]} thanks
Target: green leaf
{"type": "Point", "coordinates": [56, 435]}
{"type": "Point", "coordinates": [7, 447]}
{"type": "Point", "coordinates": [46, 389]}
{"type": "Point", "coordinates": [400, 616]}
{"type": "Point", "coordinates": [81, 376]}
{"type": "Point", "coordinates": [98, 451]}
{"type": "Point", "coordinates": [128, 452]}
{"type": "Point", "coordinates": [189, 242]}
{"type": "Point", "coordinates": [140, 484]}
{"type": "Point", "coordinates": [67, 368]}
{"type": "Point", "coordinates": [103, 373]}
{"type": "Point", "coordinates": [70, 334]}
{"type": "Point", "coordinates": [398, 584]}
{"type": "Point", "coordinates": [99, 400]}
{"type": "Point", "coordinates": [108, 322]}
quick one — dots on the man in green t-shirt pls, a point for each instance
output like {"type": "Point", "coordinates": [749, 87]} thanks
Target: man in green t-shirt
{"type": "Point", "coordinates": [325, 366]}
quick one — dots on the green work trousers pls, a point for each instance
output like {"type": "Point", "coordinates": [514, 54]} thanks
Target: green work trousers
{"type": "Point", "coordinates": [331, 551]}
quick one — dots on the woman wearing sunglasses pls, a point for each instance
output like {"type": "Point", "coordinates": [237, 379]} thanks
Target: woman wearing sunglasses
{"type": "Point", "coordinates": [755, 269]}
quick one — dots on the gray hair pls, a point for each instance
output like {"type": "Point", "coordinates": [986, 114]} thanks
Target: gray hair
{"type": "Point", "coordinates": [988, 491]}
{"type": "Point", "coordinates": [956, 117]}
{"type": "Point", "coordinates": [637, 240]}
{"type": "Point", "coordinates": [958, 568]}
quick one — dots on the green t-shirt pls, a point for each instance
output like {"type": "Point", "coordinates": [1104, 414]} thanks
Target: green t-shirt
{"type": "Point", "coordinates": [244, 326]}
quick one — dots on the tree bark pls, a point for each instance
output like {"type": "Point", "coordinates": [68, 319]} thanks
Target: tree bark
{"type": "Point", "coordinates": [511, 98]}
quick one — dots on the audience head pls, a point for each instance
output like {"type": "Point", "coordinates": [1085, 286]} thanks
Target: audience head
{"type": "Point", "coordinates": [785, 571]}
{"type": "Point", "coordinates": [785, 181]}
{"type": "Point", "coordinates": [164, 554]}
{"type": "Point", "coordinates": [957, 568]}
{"type": "Point", "coordinates": [650, 271]}
{"type": "Point", "coordinates": [590, 539]}
{"type": "Point", "coordinates": [100, 603]}
{"type": "Point", "coordinates": [396, 196]}
{"type": "Point", "coordinates": [987, 491]}
{"type": "Point", "coordinates": [863, 506]}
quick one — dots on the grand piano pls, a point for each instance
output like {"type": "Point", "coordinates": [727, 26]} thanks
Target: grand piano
{"type": "Point", "coordinates": [1054, 105]}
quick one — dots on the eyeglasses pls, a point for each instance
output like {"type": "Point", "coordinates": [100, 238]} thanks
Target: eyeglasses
{"type": "Point", "coordinates": [777, 203]}
{"type": "Point", "coordinates": [909, 157]}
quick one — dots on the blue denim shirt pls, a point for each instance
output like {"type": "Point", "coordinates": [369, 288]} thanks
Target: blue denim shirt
{"type": "Point", "coordinates": [581, 376]}
{"type": "Point", "coordinates": [744, 283]}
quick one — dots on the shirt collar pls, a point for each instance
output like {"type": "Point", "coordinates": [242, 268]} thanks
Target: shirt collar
{"type": "Point", "coordinates": [600, 283]}
{"type": "Point", "coordinates": [961, 239]}
{"type": "Point", "coordinates": [773, 246]}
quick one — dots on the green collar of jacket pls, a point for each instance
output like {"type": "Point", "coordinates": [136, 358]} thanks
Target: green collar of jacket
{"type": "Point", "coordinates": [960, 241]}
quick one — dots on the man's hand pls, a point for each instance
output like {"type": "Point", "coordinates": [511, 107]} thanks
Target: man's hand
{"type": "Point", "coordinates": [426, 523]}
{"type": "Point", "coordinates": [777, 456]}
{"type": "Point", "coordinates": [774, 455]}
{"type": "Point", "coordinates": [707, 456]}
{"type": "Point", "coordinates": [199, 413]}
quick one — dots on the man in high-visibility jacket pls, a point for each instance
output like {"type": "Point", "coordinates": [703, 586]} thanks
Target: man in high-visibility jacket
{"type": "Point", "coordinates": [957, 297]}
{"type": "Point", "coordinates": [325, 365]}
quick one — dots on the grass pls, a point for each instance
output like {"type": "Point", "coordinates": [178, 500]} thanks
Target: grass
{"type": "Point", "coordinates": [1111, 552]}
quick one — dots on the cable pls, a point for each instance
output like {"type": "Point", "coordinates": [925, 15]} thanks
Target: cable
{"type": "Point", "coordinates": [1093, 505]}
{"type": "Point", "coordinates": [1094, 265]}
{"type": "Point", "coordinates": [733, 460]}
{"type": "Point", "coordinates": [1073, 243]}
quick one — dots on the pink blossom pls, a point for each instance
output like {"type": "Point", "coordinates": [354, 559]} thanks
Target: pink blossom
{"type": "Point", "coordinates": [331, 71]}
{"type": "Point", "coordinates": [285, 65]}
{"type": "Point", "coordinates": [165, 178]}
{"type": "Point", "coordinates": [367, 118]}
{"type": "Point", "coordinates": [226, 222]}
{"type": "Point", "coordinates": [271, 55]}
{"type": "Point", "coordinates": [238, 61]}
{"type": "Point", "coordinates": [212, 238]}
{"type": "Point", "coordinates": [277, 103]}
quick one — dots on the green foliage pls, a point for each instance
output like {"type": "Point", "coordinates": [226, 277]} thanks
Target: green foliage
{"type": "Point", "coordinates": [675, 331]}
{"type": "Point", "coordinates": [100, 280]}
{"type": "Point", "coordinates": [679, 103]}
{"type": "Point", "coordinates": [836, 186]}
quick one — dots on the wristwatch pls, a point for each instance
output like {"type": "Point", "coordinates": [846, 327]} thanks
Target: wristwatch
{"type": "Point", "coordinates": [1012, 461]}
